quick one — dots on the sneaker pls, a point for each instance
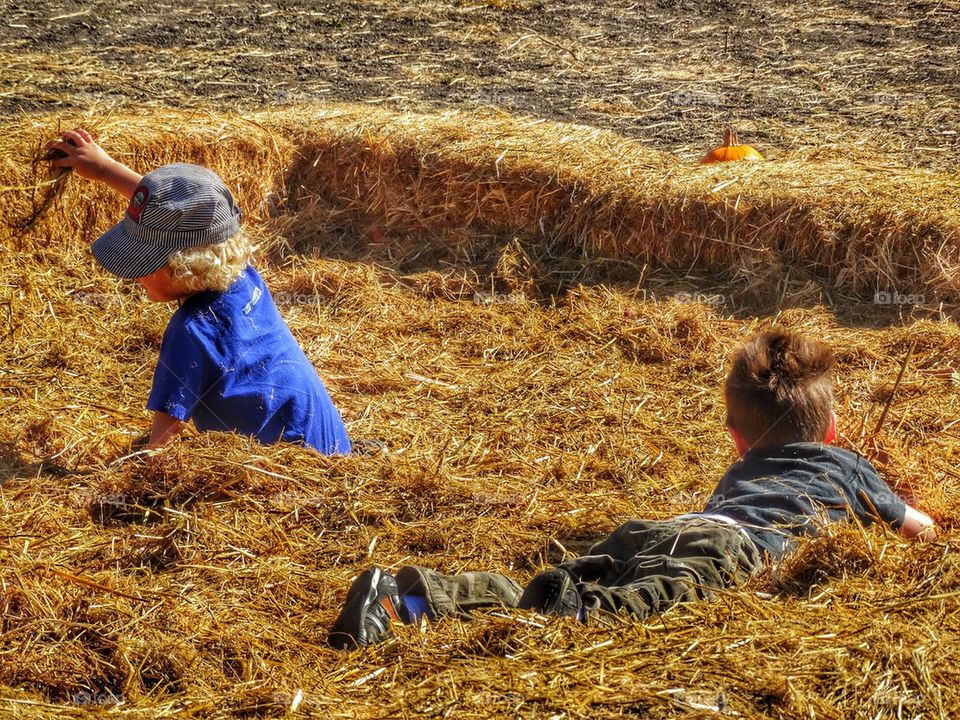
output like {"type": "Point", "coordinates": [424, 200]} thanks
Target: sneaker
{"type": "Point", "coordinates": [372, 603]}
{"type": "Point", "coordinates": [552, 592]}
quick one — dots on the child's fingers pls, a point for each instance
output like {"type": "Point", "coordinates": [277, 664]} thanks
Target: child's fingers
{"type": "Point", "coordinates": [74, 137]}
{"type": "Point", "coordinates": [61, 153]}
{"type": "Point", "coordinates": [84, 134]}
{"type": "Point", "coordinates": [65, 147]}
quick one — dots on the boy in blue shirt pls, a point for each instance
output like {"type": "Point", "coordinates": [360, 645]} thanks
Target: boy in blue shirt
{"type": "Point", "coordinates": [789, 480]}
{"type": "Point", "coordinates": [228, 361]}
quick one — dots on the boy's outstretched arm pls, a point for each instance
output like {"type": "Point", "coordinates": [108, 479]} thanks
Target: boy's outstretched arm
{"type": "Point", "coordinates": [163, 429]}
{"type": "Point", "coordinates": [918, 525]}
{"type": "Point", "coordinates": [90, 161]}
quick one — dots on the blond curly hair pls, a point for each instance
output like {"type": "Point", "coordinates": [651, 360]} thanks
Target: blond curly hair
{"type": "Point", "coordinates": [211, 267]}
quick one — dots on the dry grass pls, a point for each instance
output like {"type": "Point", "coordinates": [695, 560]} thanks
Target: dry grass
{"type": "Point", "coordinates": [521, 422]}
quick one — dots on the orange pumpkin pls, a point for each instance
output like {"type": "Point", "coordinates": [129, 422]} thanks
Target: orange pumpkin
{"type": "Point", "coordinates": [730, 150]}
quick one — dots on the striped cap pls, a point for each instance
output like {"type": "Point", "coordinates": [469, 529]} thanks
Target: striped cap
{"type": "Point", "coordinates": [174, 207]}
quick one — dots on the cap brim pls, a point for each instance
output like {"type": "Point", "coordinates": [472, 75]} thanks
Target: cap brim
{"type": "Point", "coordinates": [122, 254]}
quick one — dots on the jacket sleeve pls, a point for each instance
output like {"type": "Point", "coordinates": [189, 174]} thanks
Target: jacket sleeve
{"type": "Point", "coordinates": [875, 500]}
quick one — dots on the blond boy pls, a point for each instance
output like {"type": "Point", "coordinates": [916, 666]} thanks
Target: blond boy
{"type": "Point", "coordinates": [228, 361]}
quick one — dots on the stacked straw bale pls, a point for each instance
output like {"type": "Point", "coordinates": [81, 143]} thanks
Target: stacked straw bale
{"type": "Point", "coordinates": [858, 224]}
{"type": "Point", "coordinates": [854, 223]}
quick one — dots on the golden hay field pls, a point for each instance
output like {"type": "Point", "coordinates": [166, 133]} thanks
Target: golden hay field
{"type": "Point", "coordinates": [540, 338]}
{"type": "Point", "coordinates": [485, 225]}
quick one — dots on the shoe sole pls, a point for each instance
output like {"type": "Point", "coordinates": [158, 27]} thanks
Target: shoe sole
{"type": "Point", "coordinates": [346, 630]}
{"type": "Point", "coordinates": [345, 633]}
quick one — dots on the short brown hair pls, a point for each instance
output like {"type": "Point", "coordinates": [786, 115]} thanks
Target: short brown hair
{"type": "Point", "coordinates": [780, 389]}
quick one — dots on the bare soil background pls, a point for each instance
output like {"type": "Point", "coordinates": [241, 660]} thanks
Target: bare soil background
{"type": "Point", "coordinates": [875, 75]}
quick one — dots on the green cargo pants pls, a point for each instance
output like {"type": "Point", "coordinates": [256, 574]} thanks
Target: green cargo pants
{"type": "Point", "coordinates": [643, 567]}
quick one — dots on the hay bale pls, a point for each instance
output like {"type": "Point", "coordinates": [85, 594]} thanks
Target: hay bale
{"type": "Point", "coordinates": [855, 223]}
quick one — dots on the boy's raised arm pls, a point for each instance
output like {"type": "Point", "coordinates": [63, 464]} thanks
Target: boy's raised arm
{"type": "Point", "coordinates": [90, 161]}
{"type": "Point", "coordinates": [918, 525]}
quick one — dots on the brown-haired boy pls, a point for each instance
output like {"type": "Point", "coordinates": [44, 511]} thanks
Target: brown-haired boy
{"type": "Point", "coordinates": [779, 399]}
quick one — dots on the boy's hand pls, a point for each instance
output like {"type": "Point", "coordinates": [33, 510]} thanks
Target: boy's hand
{"type": "Point", "coordinates": [164, 429]}
{"type": "Point", "coordinates": [80, 152]}
{"type": "Point", "coordinates": [918, 525]}
{"type": "Point", "coordinates": [91, 161]}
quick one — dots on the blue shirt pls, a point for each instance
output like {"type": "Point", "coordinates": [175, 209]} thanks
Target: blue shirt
{"type": "Point", "coordinates": [229, 362]}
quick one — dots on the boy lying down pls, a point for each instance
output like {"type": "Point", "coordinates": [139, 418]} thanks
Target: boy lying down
{"type": "Point", "coordinates": [789, 480]}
